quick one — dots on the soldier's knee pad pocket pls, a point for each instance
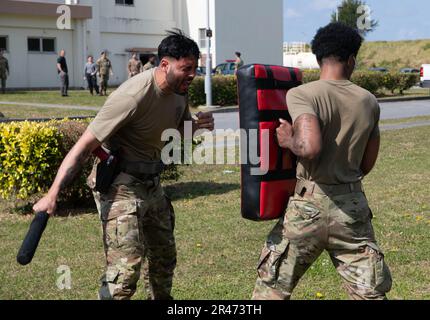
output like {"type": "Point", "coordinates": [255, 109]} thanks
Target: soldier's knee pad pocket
{"type": "Point", "coordinates": [382, 277]}
{"type": "Point", "coordinates": [270, 261]}
{"type": "Point", "coordinates": [123, 233]}
{"type": "Point", "coordinates": [112, 275]}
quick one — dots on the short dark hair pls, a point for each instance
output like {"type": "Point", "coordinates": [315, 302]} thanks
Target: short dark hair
{"type": "Point", "coordinates": [177, 45]}
{"type": "Point", "coordinates": [238, 53]}
{"type": "Point", "coordinates": [336, 40]}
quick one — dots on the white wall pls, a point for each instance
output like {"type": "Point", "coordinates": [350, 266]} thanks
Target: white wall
{"type": "Point", "coordinates": [197, 19]}
{"type": "Point", "coordinates": [253, 27]}
{"type": "Point", "coordinates": [29, 69]}
{"type": "Point", "coordinates": [116, 28]}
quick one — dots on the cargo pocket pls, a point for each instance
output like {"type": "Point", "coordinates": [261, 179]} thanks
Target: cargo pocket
{"type": "Point", "coordinates": [270, 261]}
{"type": "Point", "coordinates": [113, 209]}
{"type": "Point", "coordinates": [127, 233]}
{"type": "Point", "coordinates": [112, 275]}
{"type": "Point", "coordinates": [301, 218]}
{"type": "Point", "coordinates": [382, 281]}
{"type": "Point", "coordinates": [171, 211]}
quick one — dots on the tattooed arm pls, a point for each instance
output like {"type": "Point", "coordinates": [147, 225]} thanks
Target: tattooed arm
{"type": "Point", "coordinates": [71, 166]}
{"type": "Point", "coordinates": [304, 139]}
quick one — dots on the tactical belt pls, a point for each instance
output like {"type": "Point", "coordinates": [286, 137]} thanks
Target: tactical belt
{"type": "Point", "coordinates": [308, 187]}
{"type": "Point", "coordinates": [142, 169]}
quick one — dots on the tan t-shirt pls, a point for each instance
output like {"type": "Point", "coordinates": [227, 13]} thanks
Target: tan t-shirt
{"type": "Point", "coordinates": [348, 116]}
{"type": "Point", "coordinates": [135, 116]}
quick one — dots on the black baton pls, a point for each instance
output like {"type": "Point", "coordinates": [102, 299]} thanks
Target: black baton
{"type": "Point", "coordinates": [31, 240]}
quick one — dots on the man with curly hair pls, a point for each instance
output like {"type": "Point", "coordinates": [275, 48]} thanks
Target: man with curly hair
{"type": "Point", "coordinates": [335, 134]}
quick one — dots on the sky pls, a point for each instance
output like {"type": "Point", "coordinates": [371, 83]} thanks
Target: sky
{"type": "Point", "coordinates": [398, 19]}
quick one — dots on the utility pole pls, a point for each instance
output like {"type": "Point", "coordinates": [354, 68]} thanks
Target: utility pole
{"type": "Point", "coordinates": [208, 78]}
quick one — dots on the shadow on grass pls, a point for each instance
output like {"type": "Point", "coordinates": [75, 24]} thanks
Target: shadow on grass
{"type": "Point", "coordinates": [192, 190]}
{"type": "Point", "coordinates": [64, 209]}
{"type": "Point", "coordinates": [178, 191]}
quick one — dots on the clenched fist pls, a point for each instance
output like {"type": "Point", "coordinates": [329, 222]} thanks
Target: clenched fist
{"type": "Point", "coordinates": [285, 134]}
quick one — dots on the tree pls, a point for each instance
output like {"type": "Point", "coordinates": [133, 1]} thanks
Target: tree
{"type": "Point", "coordinates": [356, 14]}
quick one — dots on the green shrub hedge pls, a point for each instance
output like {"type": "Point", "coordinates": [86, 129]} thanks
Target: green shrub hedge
{"type": "Point", "coordinates": [31, 153]}
{"type": "Point", "coordinates": [224, 91]}
{"type": "Point", "coordinates": [224, 88]}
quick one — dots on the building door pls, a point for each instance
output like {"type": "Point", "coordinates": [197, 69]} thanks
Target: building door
{"type": "Point", "coordinates": [144, 57]}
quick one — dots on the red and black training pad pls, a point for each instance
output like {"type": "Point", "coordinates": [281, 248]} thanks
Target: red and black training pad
{"type": "Point", "coordinates": [262, 102]}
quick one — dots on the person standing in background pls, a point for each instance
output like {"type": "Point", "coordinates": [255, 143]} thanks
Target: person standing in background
{"type": "Point", "coordinates": [134, 66]}
{"type": "Point", "coordinates": [104, 67]}
{"type": "Point", "coordinates": [239, 62]}
{"type": "Point", "coordinates": [63, 73]}
{"type": "Point", "coordinates": [90, 73]}
{"type": "Point", "coordinates": [4, 71]}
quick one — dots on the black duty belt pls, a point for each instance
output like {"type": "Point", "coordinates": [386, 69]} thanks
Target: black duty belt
{"type": "Point", "coordinates": [142, 168]}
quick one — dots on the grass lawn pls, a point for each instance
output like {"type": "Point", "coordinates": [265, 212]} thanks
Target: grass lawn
{"type": "Point", "coordinates": [24, 112]}
{"type": "Point", "coordinates": [394, 54]}
{"type": "Point", "coordinates": [218, 250]}
{"type": "Point", "coordinates": [76, 97]}
{"type": "Point", "coordinates": [386, 95]}
{"type": "Point", "coordinates": [405, 120]}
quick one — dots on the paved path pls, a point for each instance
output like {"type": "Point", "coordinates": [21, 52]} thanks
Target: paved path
{"type": "Point", "coordinates": [230, 120]}
{"type": "Point", "coordinates": [389, 110]}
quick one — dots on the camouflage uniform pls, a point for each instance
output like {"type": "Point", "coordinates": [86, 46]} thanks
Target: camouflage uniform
{"type": "Point", "coordinates": [324, 218]}
{"type": "Point", "coordinates": [134, 67]}
{"type": "Point", "coordinates": [104, 68]}
{"type": "Point", "coordinates": [4, 70]}
{"type": "Point", "coordinates": [138, 223]}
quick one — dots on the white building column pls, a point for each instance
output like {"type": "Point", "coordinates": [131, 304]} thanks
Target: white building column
{"type": "Point", "coordinates": [94, 35]}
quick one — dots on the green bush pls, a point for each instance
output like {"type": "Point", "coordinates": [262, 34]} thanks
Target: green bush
{"type": "Point", "coordinates": [224, 88]}
{"type": "Point", "coordinates": [310, 75]}
{"type": "Point", "coordinates": [224, 91]}
{"type": "Point", "coordinates": [407, 80]}
{"type": "Point", "coordinates": [374, 81]}
{"type": "Point", "coordinates": [371, 81]}
{"type": "Point", "coordinates": [29, 156]}
{"type": "Point", "coordinates": [31, 153]}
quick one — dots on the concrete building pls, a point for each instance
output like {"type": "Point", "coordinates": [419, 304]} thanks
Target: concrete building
{"type": "Point", "coordinates": [252, 27]}
{"type": "Point", "coordinates": [33, 32]}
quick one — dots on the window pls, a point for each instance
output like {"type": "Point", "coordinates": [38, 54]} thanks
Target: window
{"type": "Point", "coordinates": [124, 2]}
{"type": "Point", "coordinates": [3, 43]}
{"type": "Point", "coordinates": [202, 38]}
{"type": "Point", "coordinates": [34, 44]}
{"type": "Point", "coordinates": [41, 45]}
{"type": "Point", "coordinates": [48, 45]}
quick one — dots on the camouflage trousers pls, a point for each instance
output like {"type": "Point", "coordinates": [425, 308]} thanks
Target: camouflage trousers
{"type": "Point", "coordinates": [138, 224]}
{"type": "Point", "coordinates": [340, 224]}
{"type": "Point", "coordinates": [3, 84]}
{"type": "Point", "coordinates": [104, 79]}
